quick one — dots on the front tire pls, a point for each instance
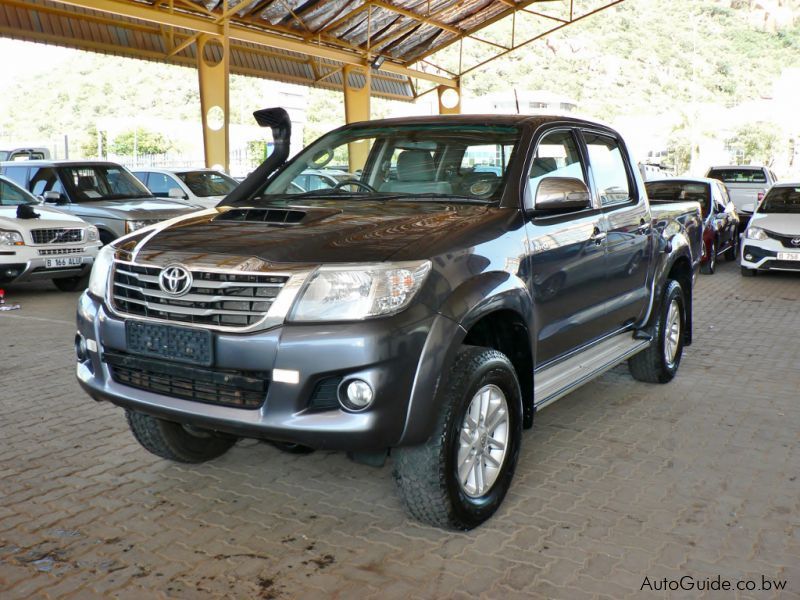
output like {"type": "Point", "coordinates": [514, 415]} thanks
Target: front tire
{"type": "Point", "coordinates": [660, 362]}
{"type": "Point", "coordinates": [459, 477]}
{"type": "Point", "coordinates": [732, 253]}
{"type": "Point", "coordinates": [176, 442]}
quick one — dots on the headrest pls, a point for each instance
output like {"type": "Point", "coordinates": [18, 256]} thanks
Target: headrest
{"type": "Point", "coordinates": [415, 165]}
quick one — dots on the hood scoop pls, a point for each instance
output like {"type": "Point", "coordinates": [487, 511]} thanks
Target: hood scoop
{"type": "Point", "coordinates": [273, 216]}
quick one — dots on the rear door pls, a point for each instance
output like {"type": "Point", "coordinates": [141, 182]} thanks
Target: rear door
{"type": "Point", "coordinates": [626, 221]}
{"type": "Point", "coordinates": [566, 255]}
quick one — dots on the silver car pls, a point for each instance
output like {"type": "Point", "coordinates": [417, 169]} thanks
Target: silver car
{"type": "Point", "coordinates": [104, 194]}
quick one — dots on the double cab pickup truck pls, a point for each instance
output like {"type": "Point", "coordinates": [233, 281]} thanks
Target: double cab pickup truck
{"type": "Point", "coordinates": [472, 270]}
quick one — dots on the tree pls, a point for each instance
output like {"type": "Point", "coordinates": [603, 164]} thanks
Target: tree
{"type": "Point", "coordinates": [140, 140]}
{"type": "Point", "coordinates": [89, 145]}
{"type": "Point", "coordinates": [757, 143]}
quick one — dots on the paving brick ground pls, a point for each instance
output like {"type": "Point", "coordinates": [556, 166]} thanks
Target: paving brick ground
{"type": "Point", "coordinates": [617, 482]}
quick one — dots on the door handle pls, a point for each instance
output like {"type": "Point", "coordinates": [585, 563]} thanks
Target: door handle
{"type": "Point", "coordinates": [598, 236]}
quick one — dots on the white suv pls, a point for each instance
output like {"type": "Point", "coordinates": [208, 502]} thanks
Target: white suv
{"type": "Point", "coordinates": [771, 241]}
{"type": "Point", "coordinates": [39, 242]}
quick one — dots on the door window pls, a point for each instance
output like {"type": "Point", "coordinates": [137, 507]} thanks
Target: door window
{"type": "Point", "coordinates": [160, 184]}
{"type": "Point", "coordinates": [556, 156]}
{"type": "Point", "coordinates": [44, 179]}
{"type": "Point", "coordinates": [17, 174]}
{"type": "Point", "coordinates": [609, 169]}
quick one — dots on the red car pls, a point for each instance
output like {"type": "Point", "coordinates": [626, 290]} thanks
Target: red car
{"type": "Point", "coordinates": [720, 220]}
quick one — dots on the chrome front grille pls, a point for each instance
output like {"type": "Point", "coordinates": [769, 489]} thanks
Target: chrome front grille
{"type": "Point", "coordinates": [230, 300]}
{"type": "Point", "coordinates": [57, 236]}
{"type": "Point", "coordinates": [58, 251]}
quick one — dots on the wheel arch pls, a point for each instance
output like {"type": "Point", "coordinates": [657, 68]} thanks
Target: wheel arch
{"type": "Point", "coordinates": [481, 312]}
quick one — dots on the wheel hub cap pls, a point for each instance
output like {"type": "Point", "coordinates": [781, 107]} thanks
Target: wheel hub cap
{"type": "Point", "coordinates": [483, 441]}
{"type": "Point", "coordinates": [672, 332]}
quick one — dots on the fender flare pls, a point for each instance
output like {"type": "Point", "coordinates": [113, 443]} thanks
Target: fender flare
{"type": "Point", "coordinates": [473, 300]}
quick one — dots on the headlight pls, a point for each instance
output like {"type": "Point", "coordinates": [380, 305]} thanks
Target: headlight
{"type": "Point", "coordinates": [756, 233]}
{"type": "Point", "coordinates": [98, 281]}
{"type": "Point", "coordinates": [92, 233]}
{"type": "Point", "coordinates": [351, 293]}
{"type": "Point", "coordinates": [134, 225]}
{"type": "Point", "coordinates": [11, 238]}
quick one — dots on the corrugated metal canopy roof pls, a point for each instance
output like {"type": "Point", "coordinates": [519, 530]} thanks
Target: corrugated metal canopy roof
{"type": "Point", "coordinates": [300, 41]}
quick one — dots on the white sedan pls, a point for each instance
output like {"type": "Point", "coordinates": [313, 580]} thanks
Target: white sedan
{"type": "Point", "coordinates": [203, 188]}
{"type": "Point", "coordinates": [38, 242]}
{"type": "Point", "coordinates": [772, 239]}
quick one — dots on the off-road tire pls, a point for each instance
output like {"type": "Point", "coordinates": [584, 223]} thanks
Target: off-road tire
{"type": "Point", "coordinates": [175, 442]}
{"type": "Point", "coordinates": [71, 284]}
{"type": "Point", "coordinates": [710, 265]}
{"type": "Point", "coordinates": [426, 474]}
{"type": "Point", "coordinates": [651, 365]}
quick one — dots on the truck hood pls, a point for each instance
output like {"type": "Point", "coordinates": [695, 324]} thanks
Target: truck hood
{"type": "Point", "coordinates": [48, 218]}
{"type": "Point", "coordinates": [782, 223]}
{"type": "Point", "coordinates": [133, 210]}
{"type": "Point", "coordinates": [325, 232]}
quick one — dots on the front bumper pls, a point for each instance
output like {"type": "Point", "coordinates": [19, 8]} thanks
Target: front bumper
{"type": "Point", "coordinates": [20, 268]}
{"type": "Point", "coordinates": [762, 255]}
{"type": "Point", "coordinates": [384, 352]}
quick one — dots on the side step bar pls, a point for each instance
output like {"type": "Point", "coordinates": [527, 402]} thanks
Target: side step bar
{"type": "Point", "coordinates": [556, 381]}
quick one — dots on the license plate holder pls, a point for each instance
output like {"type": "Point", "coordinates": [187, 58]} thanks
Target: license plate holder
{"type": "Point", "coordinates": [179, 344]}
{"type": "Point", "coordinates": [66, 262]}
{"type": "Point", "coordinates": [794, 256]}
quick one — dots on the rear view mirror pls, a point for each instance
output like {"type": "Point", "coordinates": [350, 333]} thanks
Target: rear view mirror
{"type": "Point", "coordinates": [557, 194]}
{"type": "Point", "coordinates": [54, 198]}
{"type": "Point", "coordinates": [176, 193]}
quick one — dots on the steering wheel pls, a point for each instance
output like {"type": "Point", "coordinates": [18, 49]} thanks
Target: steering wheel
{"type": "Point", "coordinates": [357, 183]}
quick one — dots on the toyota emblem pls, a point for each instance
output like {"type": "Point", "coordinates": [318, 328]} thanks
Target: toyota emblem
{"type": "Point", "coordinates": [175, 280]}
{"type": "Point", "coordinates": [796, 241]}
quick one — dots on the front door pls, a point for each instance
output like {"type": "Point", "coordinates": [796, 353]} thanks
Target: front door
{"type": "Point", "coordinates": [566, 256]}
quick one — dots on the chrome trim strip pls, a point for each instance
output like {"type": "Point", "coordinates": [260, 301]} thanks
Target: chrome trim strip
{"type": "Point", "coordinates": [194, 297]}
{"type": "Point", "coordinates": [216, 285]}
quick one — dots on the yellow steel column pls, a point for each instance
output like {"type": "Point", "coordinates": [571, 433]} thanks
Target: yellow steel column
{"type": "Point", "coordinates": [356, 108]}
{"type": "Point", "coordinates": [213, 66]}
{"type": "Point", "coordinates": [449, 99]}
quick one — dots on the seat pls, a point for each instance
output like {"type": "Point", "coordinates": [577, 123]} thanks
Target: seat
{"type": "Point", "coordinates": [415, 175]}
{"type": "Point", "coordinates": [543, 166]}
{"type": "Point", "coordinates": [85, 183]}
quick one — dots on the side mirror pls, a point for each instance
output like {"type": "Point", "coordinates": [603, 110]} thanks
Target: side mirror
{"type": "Point", "coordinates": [55, 198]}
{"type": "Point", "coordinates": [561, 194]}
{"type": "Point", "coordinates": [748, 208]}
{"type": "Point", "coordinates": [176, 193]}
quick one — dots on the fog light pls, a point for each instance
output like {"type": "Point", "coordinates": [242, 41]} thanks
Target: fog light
{"type": "Point", "coordinates": [358, 395]}
{"type": "Point", "coordinates": [749, 257]}
{"type": "Point", "coordinates": [80, 348]}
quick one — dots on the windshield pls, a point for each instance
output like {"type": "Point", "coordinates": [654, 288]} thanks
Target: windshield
{"type": "Point", "coordinates": [738, 175]}
{"type": "Point", "coordinates": [673, 191]}
{"type": "Point", "coordinates": [415, 162]}
{"type": "Point", "coordinates": [208, 183]}
{"type": "Point", "coordinates": [12, 195]}
{"type": "Point", "coordinates": [102, 182]}
{"type": "Point", "coordinates": [781, 200]}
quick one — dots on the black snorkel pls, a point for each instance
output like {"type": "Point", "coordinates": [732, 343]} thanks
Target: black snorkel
{"type": "Point", "coordinates": [278, 120]}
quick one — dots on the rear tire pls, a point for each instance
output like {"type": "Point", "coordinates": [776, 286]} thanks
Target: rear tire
{"type": "Point", "coordinates": [459, 477]}
{"type": "Point", "coordinates": [710, 265]}
{"type": "Point", "coordinates": [660, 362]}
{"type": "Point", "coordinates": [177, 442]}
{"type": "Point", "coordinates": [748, 272]}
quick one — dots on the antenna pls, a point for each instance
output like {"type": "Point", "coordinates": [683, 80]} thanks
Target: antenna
{"type": "Point", "coordinates": [516, 99]}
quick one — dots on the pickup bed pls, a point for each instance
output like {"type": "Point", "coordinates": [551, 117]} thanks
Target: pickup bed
{"type": "Point", "coordinates": [471, 271]}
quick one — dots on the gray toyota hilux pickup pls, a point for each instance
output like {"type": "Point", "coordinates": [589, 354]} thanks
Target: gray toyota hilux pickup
{"type": "Point", "coordinates": [471, 271]}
